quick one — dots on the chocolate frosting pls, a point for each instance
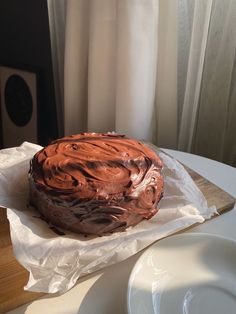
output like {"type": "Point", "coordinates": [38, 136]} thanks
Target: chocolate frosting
{"type": "Point", "coordinates": [95, 183]}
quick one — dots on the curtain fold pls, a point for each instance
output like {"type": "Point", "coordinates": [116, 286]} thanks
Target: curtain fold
{"type": "Point", "coordinates": [158, 70]}
{"type": "Point", "coordinates": [200, 27]}
{"type": "Point", "coordinates": [216, 105]}
{"type": "Point", "coordinates": [76, 66]}
{"type": "Point", "coordinates": [102, 65]}
{"type": "Point", "coordinates": [136, 67]}
{"type": "Point", "coordinates": [166, 84]}
{"type": "Point", "coordinates": [57, 12]}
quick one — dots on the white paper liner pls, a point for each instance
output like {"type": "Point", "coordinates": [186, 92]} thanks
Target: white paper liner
{"type": "Point", "coordinates": [56, 262]}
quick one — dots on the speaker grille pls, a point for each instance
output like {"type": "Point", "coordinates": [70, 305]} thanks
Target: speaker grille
{"type": "Point", "coordinates": [18, 100]}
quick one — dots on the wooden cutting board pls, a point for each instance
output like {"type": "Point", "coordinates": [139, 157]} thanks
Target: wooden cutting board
{"type": "Point", "coordinates": [13, 277]}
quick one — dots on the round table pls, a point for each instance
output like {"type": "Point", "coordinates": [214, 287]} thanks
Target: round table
{"type": "Point", "coordinates": [104, 292]}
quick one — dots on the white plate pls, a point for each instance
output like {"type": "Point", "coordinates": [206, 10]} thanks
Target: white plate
{"type": "Point", "coordinates": [187, 274]}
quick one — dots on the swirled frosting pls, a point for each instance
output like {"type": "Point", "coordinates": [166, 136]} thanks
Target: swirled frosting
{"type": "Point", "coordinates": [95, 183]}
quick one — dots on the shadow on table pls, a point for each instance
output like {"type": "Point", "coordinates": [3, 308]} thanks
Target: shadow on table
{"type": "Point", "coordinates": [102, 295]}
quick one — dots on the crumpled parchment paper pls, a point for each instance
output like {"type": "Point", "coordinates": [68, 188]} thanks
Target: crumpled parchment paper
{"type": "Point", "coordinates": [56, 262]}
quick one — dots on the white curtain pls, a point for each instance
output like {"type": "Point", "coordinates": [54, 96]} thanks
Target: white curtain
{"type": "Point", "coordinates": [110, 66]}
{"type": "Point", "coordinates": [162, 71]}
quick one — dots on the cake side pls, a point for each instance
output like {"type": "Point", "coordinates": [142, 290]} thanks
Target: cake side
{"type": "Point", "coordinates": [95, 183]}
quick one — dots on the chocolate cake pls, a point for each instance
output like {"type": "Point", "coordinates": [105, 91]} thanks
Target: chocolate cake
{"type": "Point", "coordinates": [94, 183]}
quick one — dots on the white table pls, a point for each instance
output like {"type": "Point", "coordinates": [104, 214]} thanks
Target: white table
{"type": "Point", "coordinates": [105, 291]}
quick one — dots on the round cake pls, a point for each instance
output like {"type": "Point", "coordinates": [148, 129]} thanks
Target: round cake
{"type": "Point", "coordinates": [93, 183]}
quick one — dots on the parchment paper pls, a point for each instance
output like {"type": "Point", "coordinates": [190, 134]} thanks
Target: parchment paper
{"type": "Point", "coordinates": [56, 262]}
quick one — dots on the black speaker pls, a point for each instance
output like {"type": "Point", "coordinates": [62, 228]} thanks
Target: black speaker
{"type": "Point", "coordinates": [18, 106]}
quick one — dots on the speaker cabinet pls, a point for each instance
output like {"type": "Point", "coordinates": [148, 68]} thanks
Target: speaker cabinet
{"type": "Point", "coordinates": [18, 106]}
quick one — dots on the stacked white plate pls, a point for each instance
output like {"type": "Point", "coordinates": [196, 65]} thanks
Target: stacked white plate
{"type": "Point", "coordinates": [187, 274]}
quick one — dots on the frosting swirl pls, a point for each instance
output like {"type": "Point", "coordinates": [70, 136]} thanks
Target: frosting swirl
{"type": "Point", "coordinates": [96, 183]}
